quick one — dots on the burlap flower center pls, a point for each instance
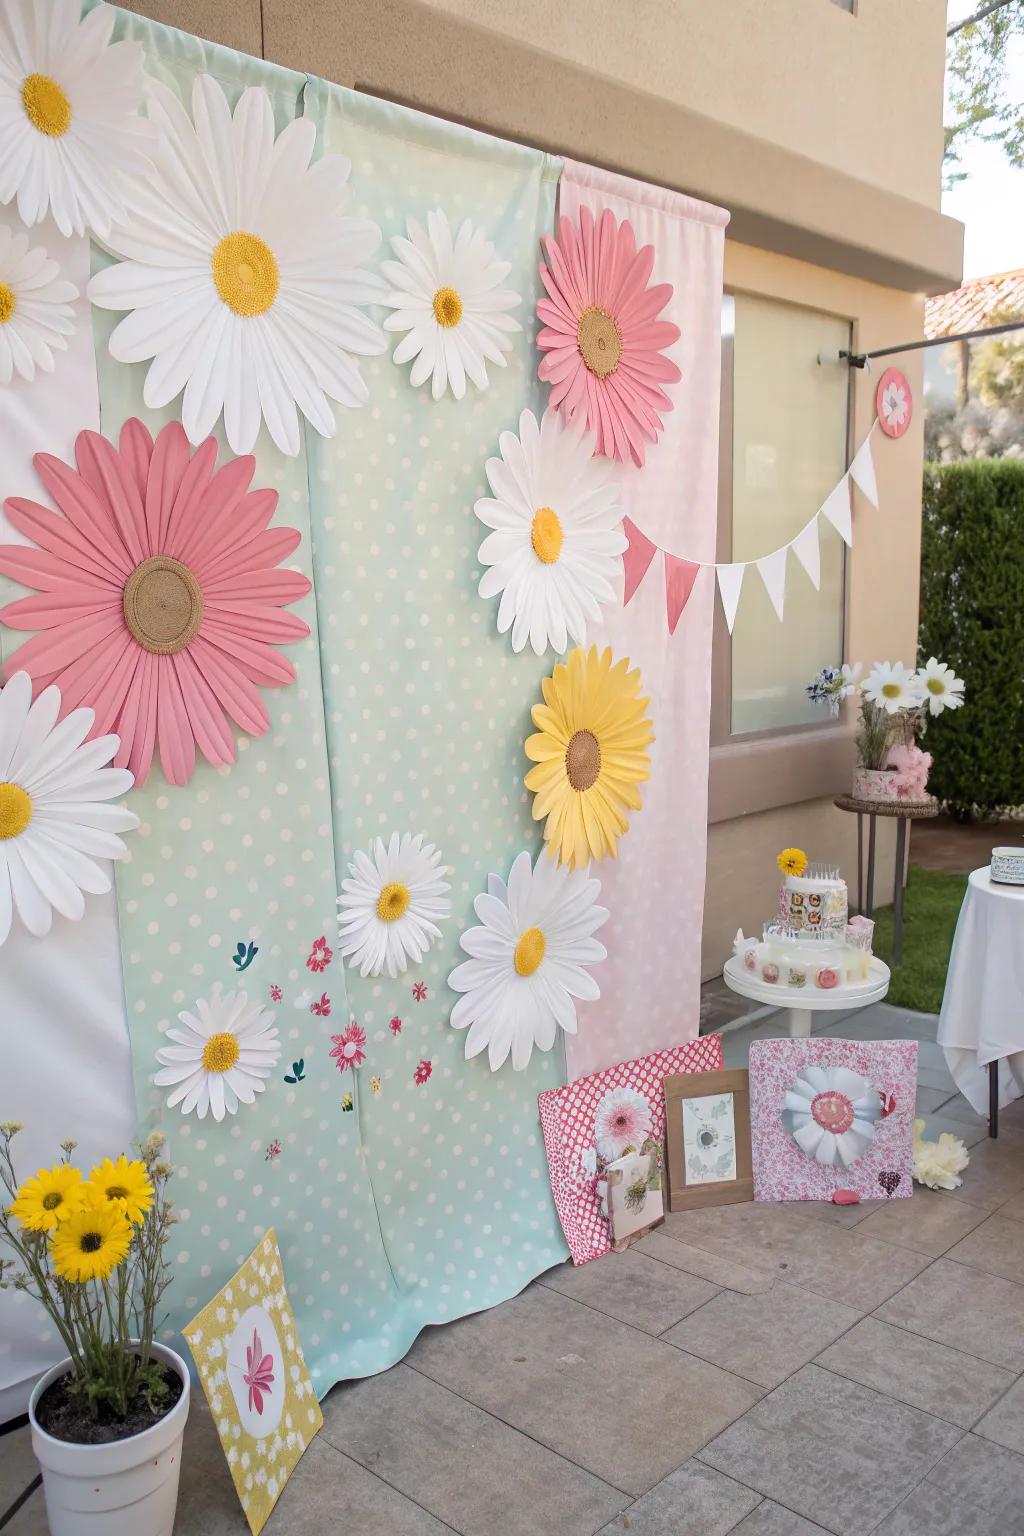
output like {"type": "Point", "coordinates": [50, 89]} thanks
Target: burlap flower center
{"type": "Point", "coordinates": [163, 605]}
{"type": "Point", "coordinates": [599, 341]}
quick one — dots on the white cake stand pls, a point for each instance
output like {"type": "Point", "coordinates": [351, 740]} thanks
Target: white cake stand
{"type": "Point", "coordinates": [804, 1002]}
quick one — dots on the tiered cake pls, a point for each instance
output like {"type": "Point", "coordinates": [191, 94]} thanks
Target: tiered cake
{"type": "Point", "coordinates": [813, 942]}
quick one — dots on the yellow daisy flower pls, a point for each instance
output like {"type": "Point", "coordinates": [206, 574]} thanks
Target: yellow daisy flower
{"type": "Point", "coordinates": [92, 1242]}
{"type": "Point", "coordinates": [591, 755]}
{"type": "Point", "coordinates": [792, 861]}
{"type": "Point", "coordinates": [125, 1182]}
{"type": "Point", "coordinates": [49, 1198]}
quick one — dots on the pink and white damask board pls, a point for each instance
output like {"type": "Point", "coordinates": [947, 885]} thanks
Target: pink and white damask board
{"type": "Point", "coordinates": [596, 1119]}
{"type": "Point", "coordinates": [831, 1115]}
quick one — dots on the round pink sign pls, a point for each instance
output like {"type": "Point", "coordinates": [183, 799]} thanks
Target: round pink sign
{"type": "Point", "coordinates": [894, 403]}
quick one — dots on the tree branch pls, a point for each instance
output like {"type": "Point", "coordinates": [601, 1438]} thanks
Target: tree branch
{"type": "Point", "coordinates": [979, 15]}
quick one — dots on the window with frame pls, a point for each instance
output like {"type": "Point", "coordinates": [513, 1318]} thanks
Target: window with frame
{"type": "Point", "coordinates": [784, 446]}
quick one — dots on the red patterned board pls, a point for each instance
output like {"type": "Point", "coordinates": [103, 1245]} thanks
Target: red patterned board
{"type": "Point", "coordinates": [567, 1121]}
{"type": "Point", "coordinates": [782, 1171]}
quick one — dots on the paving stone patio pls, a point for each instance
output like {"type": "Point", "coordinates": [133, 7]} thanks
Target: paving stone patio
{"type": "Point", "coordinates": [754, 1370]}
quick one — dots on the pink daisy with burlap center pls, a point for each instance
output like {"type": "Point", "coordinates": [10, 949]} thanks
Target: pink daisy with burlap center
{"type": "Point", "coordinates": [602, 340]}
{"type": "Point", "coordinates": [158, 598]}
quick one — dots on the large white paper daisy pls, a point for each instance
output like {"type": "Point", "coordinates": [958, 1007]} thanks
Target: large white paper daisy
{"type": "Point", "coordinates": [221, 1058]}
{"type": "Point", "coordinates": [528, 961]}
{"type": "Point", "coordinates": [243, 273]}
{"type": "Point", "coordinates": [35, 308]}
{"type": "Point", "coordinates": [446, 297]}
{"type": "Point", "coordinates": [892, 687]}
{"type": "Point", "coordinates": [55, 820]}
{"type": "Point", "coordinates": [557, 521]}
{"type": "Point", "coordinates": [392, 905]}
{"type": "Point", "coordinates": [831, 1114]}
{"type": "Point", "coordinates": [71, 138]}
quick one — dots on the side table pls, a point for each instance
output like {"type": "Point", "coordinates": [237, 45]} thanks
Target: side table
{"type": "Point", "coordinates": [804, 1002]}
{"type": "Point", "coordinates": [903, 812]}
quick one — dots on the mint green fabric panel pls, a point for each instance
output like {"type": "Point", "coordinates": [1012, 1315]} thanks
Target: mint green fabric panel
{"type": "Point", "coordinates": [427, 709]}
{"type": "Point", "coordinates": [245, 853]}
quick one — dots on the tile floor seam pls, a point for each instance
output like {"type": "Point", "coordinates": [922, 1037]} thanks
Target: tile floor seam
{"type": "Point", "coordinates": [973, 1429]}
{"type": "Point", "coordinates": [765, 1497]}
{"type": "Point", "coordinates": [626, 1493]}
{"type": "Point", "coordinates": [978, 1269]}
{"type": "Point", "coordinates": [924, 1478]}
{"type": "Point", "coordinates": [601, 1312]}
{"type": "Point", "coordinates": [371, 1472]}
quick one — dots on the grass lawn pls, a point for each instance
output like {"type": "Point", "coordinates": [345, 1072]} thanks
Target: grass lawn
{"type": "Point", "coordinates": [930, 910]}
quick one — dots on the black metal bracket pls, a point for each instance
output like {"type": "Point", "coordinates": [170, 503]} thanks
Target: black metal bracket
{"type": "Point", "coordinates": [861, 359]}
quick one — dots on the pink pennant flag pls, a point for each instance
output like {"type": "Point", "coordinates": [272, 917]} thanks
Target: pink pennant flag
{"type": "Point", "coordinates": [637, 558]}
{"type": "Point", "coordinates": [680, 576]}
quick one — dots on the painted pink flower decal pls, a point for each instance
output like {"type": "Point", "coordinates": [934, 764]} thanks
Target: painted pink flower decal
{"type": "Point", "coordinates": [348, 1047]}
{"type": "Point", "coordinates": [419, 991]}
{"type": "Point", "coordinates": [320, 956]}
{"type": "Point", "coordinates": [603, 344]}
{"type": "Point", "coordinates": [321, 1006]}
{"type": "Point", "coordinates": [159, 601]}
{"type": "Point", "coordinates": [275, 993]}
{"type": "Point", "coordinates": [259, 1375]}
{"type": "Point", "coordinates": [423, 1071]}
{"type": "Point", "coordinates": [395, 1025]}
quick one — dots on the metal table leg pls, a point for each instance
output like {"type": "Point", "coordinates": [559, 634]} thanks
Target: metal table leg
{"type": "Point", "coordinates": [897, 895]}
{"type": "Point", "coordinates": [993, 1098]}
{"type": "Point", "coordinates": [869, 903]}
{"type": "Point", "coordinates": [860, 861]}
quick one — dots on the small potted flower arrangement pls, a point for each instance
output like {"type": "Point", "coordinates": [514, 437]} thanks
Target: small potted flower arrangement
{"type": "Point", "coordinates": [106, 1422]}
{"type": "Point", "coordinates": [895, 705]}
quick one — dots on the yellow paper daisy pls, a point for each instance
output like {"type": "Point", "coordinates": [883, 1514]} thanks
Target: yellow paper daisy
{"type": "Point", "coordinates": [126, 1183]}
{"type": "Point", "coordinates": [792, 861]}
{"type": "Point", "coordinates": [591, 755]}
{"type": "Point", "coordinates": [49, 1198]}
{"type": "Point", "coordinates": [92, 1242]}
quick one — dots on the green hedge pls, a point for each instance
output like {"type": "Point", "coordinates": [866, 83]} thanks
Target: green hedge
{"type": "Point", "coordinates": [972, 616]}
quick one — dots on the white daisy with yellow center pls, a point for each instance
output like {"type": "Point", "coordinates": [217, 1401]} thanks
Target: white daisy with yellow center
{"type": "Point", "coordinates": [55, 819]}
{"type": "Point", "coordinates": [36, 315]}
{"type": "Point", "coordinates": [940, 687]}
{"type": "Point", "coordinates": [72, 142]}
{"type": "Point", "coordinates": [555, 550]}
{"type": "Point", "coordinates": [242, 272]}
{"type": "Point", "coordinates": [221, 1058]}
{"type": "Point", "coordinates": [446, 297]}
{"type": "Point", "coordinates": [390, 908]}
{"type": "Point", "coordinates": [892, 686]}
{"type": "Point", "coordinates": [528, 961]}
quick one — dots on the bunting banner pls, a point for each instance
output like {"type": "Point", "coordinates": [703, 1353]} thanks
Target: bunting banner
{"type": "Point", "coordinates": [681, 573]}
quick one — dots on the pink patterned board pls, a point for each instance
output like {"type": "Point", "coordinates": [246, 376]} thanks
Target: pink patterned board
{"type": "Point", "coordinates": [883, 1166]}
{"type": "Point", "coordinates": [568, 1116]}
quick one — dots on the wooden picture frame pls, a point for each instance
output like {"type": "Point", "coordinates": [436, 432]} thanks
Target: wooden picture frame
{"type": "Point", "coordinates": [707, 1139]}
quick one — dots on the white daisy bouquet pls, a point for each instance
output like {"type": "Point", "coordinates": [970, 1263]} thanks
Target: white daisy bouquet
{"type": "Point", "coordinates": [90, 1248]}
{"type": "Point", "coordinates": [895, 702]}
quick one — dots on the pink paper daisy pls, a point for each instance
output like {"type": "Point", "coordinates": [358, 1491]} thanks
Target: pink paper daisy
{"type": "Point", "coordinates": [158, 597]}
{"type": "Point", "coordinates": [348, 1048]}
{"type": "Point", "coordinates": [603, 344]}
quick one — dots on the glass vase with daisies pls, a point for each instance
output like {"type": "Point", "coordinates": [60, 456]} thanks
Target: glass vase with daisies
{"type": "Point", "coordinates": [895, 706]}
{"type": "Point", "coordinates": [91, 1249]}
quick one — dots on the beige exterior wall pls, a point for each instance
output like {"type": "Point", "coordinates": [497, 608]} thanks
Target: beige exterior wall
{"type": "Point", "coordinates": [860, 92]}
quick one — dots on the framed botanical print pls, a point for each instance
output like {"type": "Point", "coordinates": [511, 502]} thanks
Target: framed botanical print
{"type": "Point", "coordinates": [707, 1128]}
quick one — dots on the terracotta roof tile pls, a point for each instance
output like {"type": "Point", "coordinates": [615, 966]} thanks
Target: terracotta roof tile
{"type": "Point", "coordinates": [974, 305]}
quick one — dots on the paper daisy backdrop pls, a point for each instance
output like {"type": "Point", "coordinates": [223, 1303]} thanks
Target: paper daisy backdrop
{"type": "Point", "coordinates": [394, 758]}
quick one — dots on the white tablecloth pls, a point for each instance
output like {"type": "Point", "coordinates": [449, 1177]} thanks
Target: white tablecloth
{"type": "Point", "coordinates": [982, 1018]}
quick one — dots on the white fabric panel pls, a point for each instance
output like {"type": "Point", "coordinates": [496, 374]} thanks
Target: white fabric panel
{"type": "Point", "coordinates": [65, 1068]}
{"type": "Point", "coordinates": [982, 1018]}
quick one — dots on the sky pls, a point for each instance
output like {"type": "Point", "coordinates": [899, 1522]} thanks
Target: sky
{"type": "Point", "coordinates": [990, 203]}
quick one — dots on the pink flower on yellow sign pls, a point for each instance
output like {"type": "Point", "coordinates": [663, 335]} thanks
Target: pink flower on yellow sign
{"type": "Point", "coordinates": [603, 344]}
{"type": "Point", "coordinates": [259, 1372]}
{"type": "Point", "coordinates": [159, 597]}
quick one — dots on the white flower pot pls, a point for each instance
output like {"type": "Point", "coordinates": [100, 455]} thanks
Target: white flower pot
{"type": "Point", "coordinates": [874, 784]}
{"type": "Point", "coordinates": [125, 1488]}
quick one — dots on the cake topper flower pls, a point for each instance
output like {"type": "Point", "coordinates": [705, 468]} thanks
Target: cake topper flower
{"type": "Point", "coordinates": [792, 861]}
{"type": "Point", "coordinates": [160, 602]}
{"type": "Point", "coordinates": [603, 343]}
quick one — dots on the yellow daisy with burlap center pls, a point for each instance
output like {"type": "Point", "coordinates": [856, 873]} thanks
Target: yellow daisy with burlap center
{"type": "Point", "coordinates": [590, 753]}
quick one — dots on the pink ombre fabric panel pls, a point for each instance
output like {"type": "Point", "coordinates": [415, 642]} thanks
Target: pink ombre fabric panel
{"type": "Point", "coordinates": [650, 984]}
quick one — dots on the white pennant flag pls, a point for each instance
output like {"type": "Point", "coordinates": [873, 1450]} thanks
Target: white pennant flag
{"type": "Point", "coordinates": [773, 574]}
{"type": "Point", "coordinates": [808, 551]}
{"type": "Point", "coordinates": [730, 580]}
{"type": "Point", "coordinates": [863, 471]}
{"type": "Point", "coordinates": [837, 509]}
